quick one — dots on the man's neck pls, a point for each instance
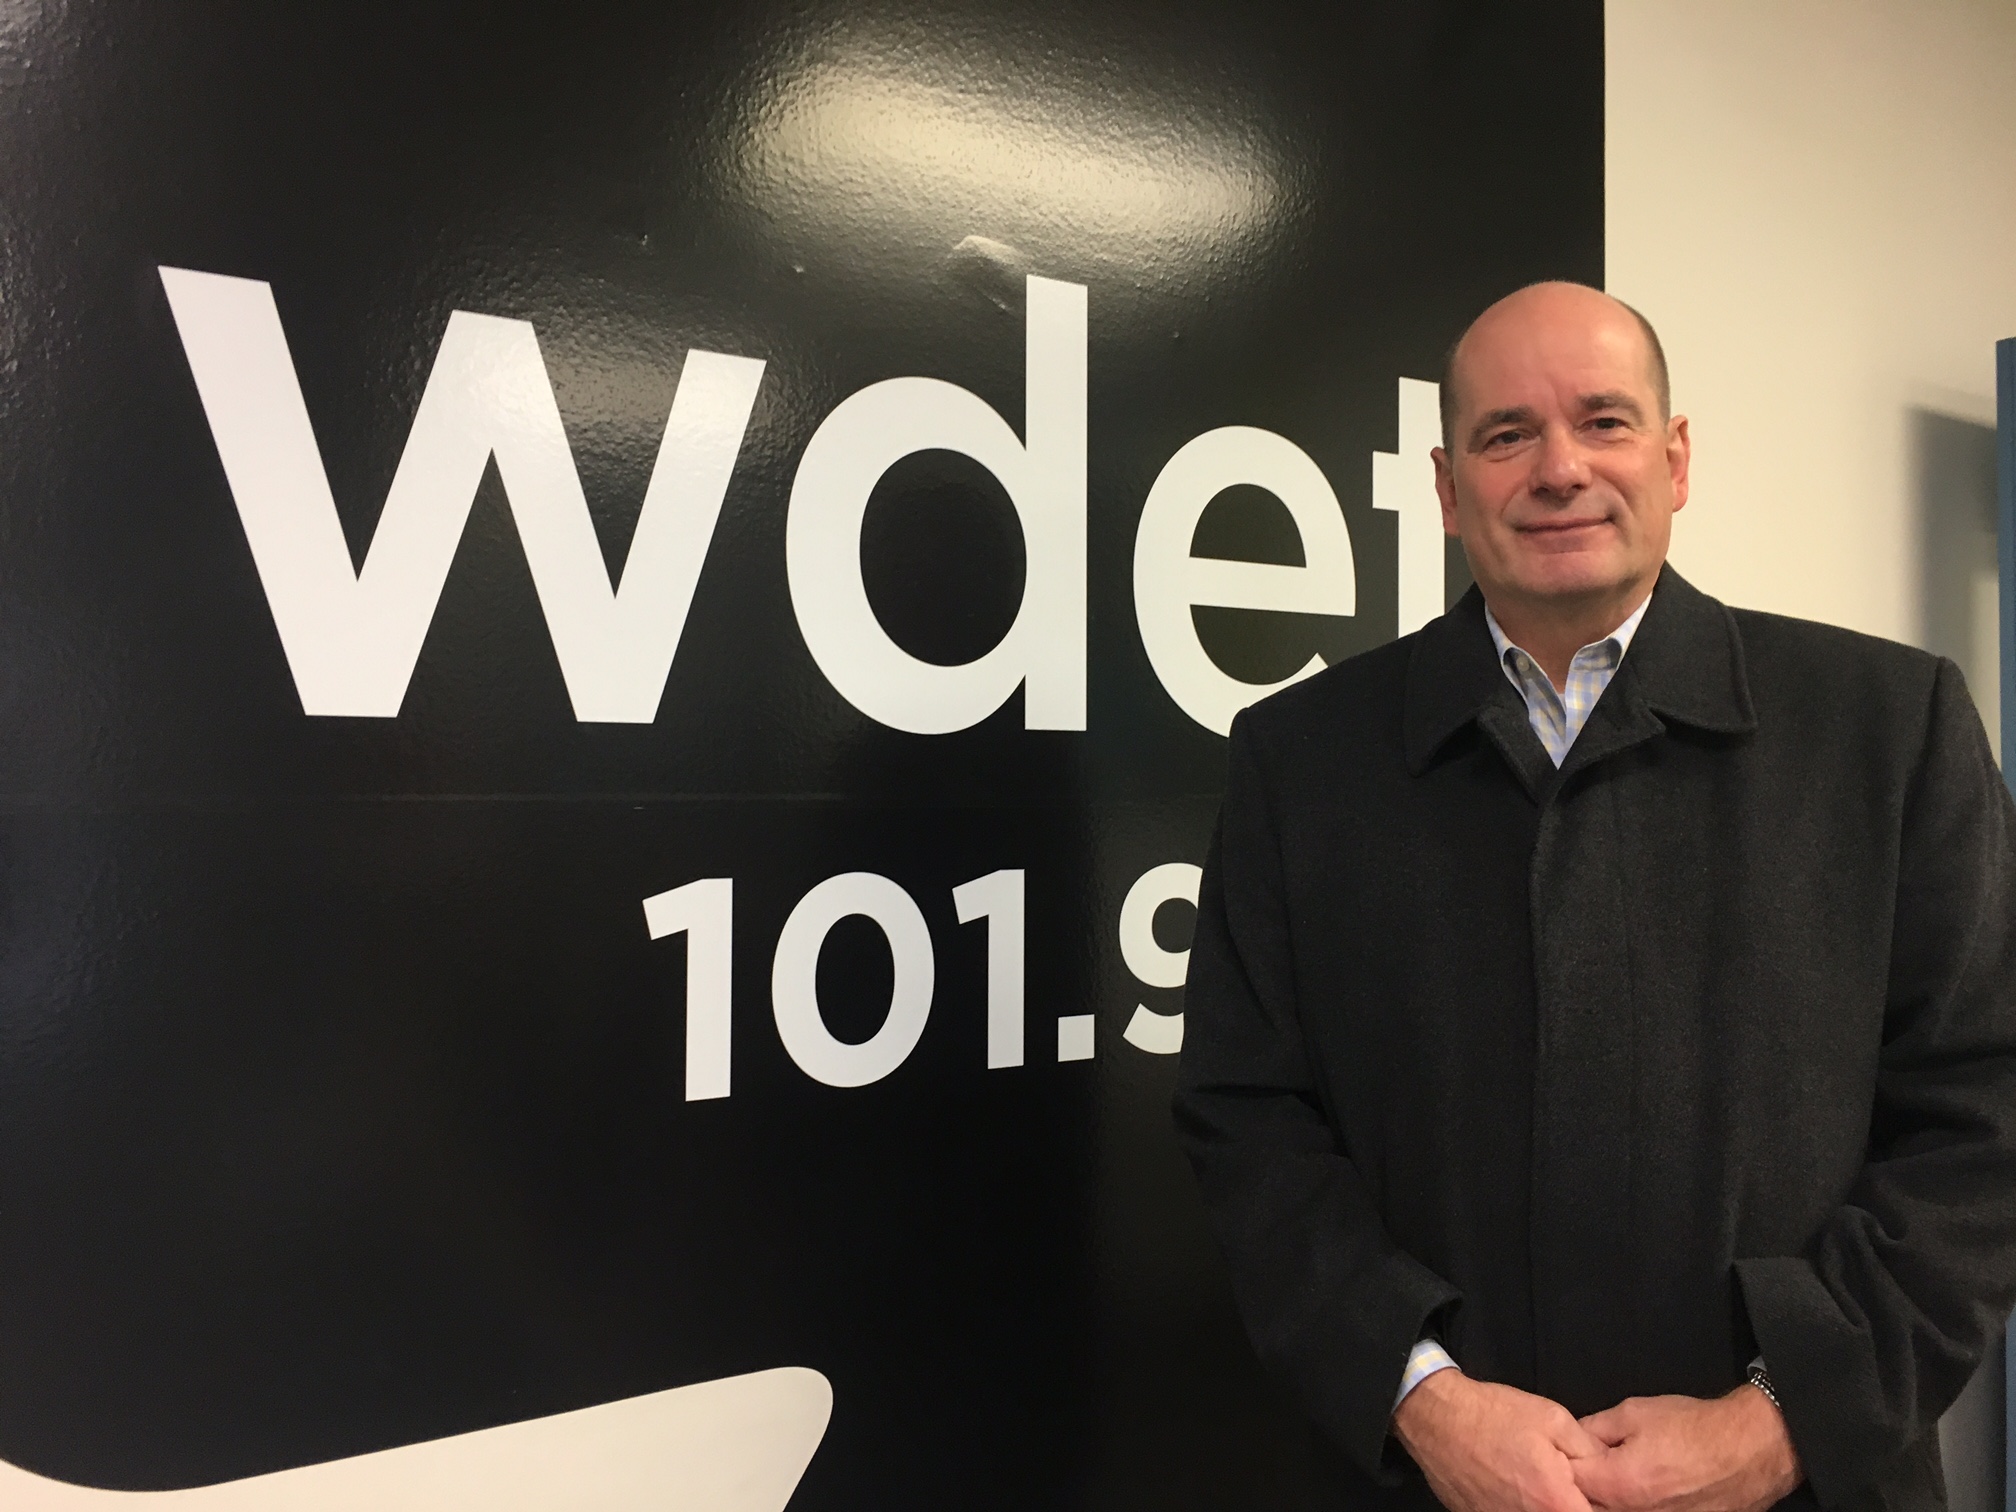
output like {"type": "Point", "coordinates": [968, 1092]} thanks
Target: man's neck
{"type": "Point", "coordinates": [1551, 631]}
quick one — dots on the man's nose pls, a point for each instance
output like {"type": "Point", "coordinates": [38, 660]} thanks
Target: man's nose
{"type": "Point", "coordinates": [1559, 469]}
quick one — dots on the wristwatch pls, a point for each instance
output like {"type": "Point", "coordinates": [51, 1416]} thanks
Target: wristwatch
{"type": "Point", "coordinates": [1759, 1377]}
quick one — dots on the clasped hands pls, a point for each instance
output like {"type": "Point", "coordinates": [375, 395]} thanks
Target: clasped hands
{"type": "Point", "coordinates": [1492, 1448]}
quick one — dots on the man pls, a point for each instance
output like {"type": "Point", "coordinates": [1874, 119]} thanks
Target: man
{"type": "Point", "coordinates": [1611, 996]}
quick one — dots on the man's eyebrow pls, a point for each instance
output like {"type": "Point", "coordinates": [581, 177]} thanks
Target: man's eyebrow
{"type": "Point", "coordinates": [1616, 400]}
{"type": "Point", "coordinates": [1490, 420]}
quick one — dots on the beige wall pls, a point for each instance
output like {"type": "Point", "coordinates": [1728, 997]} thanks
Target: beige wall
{"type": "Point", "coordinates": [1815, 202]}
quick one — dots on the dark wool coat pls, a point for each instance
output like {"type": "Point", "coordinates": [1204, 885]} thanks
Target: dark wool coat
{"type": "Point", "coordinates": [1614, 1077]}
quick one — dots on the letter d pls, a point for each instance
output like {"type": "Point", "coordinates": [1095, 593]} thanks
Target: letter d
{"type": "Point", "coordinates": [1044, 650]}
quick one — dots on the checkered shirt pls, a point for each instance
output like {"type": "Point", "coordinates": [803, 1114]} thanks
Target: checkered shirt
{"type": "Point", "coordinates": [1557, 717]}
{"type": "Point", "coordinates": [1423, 1360]}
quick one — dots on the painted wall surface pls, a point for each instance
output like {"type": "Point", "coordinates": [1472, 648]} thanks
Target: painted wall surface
{"type": "Point", "coordinates": [1815, 202]}
{"type": "Point", "coordinates": [595, 796]}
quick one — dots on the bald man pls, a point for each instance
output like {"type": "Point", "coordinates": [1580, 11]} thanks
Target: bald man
{"type": "Point", "coordinates": [1601, 1046]}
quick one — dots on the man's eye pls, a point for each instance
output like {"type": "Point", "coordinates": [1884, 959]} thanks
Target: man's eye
{"type": "Point", "coordinates": [1503, 438]}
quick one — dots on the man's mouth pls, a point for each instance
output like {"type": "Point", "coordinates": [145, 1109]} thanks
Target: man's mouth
{"type": "Point", "coordinates": [1557, 529]}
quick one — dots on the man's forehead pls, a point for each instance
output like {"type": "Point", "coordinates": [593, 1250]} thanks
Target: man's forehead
{"type": "Point", "coordinates": [1568, 353]}
{"type": "Point", "coordinates": [1548, 340]}
{"type": "Point", "coordinates": [1575, 337]}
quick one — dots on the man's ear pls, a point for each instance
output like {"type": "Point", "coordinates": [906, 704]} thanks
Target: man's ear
{"type": "Point", "coordinates": [1679, 452]}
{"type": "Point", "coordinates": [1445, 489]}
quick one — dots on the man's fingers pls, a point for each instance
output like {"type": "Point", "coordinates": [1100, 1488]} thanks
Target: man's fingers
{"type": "Point", "coordinates": [1602, 1480]}
{"type": "Point", "coordinates": [1576, 1440]}
{"type": "Point", "coordinates": [1570, 1495]}
{"type": "Point", "coordinates": [1612, 1425]}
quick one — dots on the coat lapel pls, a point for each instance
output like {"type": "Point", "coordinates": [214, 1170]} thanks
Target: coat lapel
{"type": "Point", "coordinates": [1685, 666]}
{"type": "Point", "coordinates": [1453, 681]}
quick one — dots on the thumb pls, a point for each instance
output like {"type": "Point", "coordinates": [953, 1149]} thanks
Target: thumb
{"type": "Point", "coordinates": [1577, 1441]}
{"type": "Point", "coordinates": [1575, 1499]}
{"type": "Point", "coordinates": [1599, 1480]}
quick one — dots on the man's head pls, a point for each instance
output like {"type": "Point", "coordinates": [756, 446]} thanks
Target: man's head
{"type": "Point", "coordinates": [1560, 466]}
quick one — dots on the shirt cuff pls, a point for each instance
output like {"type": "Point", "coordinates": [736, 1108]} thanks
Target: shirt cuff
{"type": "Point", "coordinates": [1423, 1360]}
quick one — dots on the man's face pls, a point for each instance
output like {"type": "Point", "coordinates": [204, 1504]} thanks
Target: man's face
{"type": "Point", "coordinates": [1560, 476]}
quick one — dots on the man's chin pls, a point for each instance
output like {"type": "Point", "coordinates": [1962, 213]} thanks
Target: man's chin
{"type": "Point", "coordinates": [1572, 582]}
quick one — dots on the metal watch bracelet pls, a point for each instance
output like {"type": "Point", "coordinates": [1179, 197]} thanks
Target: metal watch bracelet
{"type": "Point", "coordinates": [1759, 1377]}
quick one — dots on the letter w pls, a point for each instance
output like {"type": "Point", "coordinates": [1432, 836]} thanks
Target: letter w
{"type": "Point", "coordinates": [352, 638]}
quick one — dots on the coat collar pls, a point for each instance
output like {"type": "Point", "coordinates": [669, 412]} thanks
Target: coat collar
{"type": "Point", "coordinates": [1685, 665]}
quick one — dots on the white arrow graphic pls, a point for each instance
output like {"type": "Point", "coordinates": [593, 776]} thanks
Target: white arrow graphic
{"type": "Point", "coordinates": [739, 1444]}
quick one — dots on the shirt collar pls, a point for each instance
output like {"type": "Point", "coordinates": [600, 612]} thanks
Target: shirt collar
{"type": "Point", "coordinates": [1620, 637]}
{"type": "Point", "coordinates": [1689, 668]}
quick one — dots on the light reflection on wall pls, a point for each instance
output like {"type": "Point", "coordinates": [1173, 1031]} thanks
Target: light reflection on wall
{"type": "Point", "coordinates": [894, 150]}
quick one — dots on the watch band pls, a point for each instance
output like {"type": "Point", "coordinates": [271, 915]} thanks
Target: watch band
{"type": "Point", "coordinates": [1759, 1377]}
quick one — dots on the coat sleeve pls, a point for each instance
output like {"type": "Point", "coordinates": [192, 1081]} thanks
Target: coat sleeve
{"type": "Point", "coordinates": [1872, 1332]}
{"type": "Point", "coordinates": [1331, 1304]}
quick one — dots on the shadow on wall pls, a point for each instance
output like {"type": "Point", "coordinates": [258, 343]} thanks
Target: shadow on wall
{"type": "Point", "coordinates": [1970, 1440]}
{"type": "Point", "coordinates": [1953, 472]}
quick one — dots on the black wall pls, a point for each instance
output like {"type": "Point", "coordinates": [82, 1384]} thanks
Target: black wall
{"type": "Point", "coordinates": [341, 1085]}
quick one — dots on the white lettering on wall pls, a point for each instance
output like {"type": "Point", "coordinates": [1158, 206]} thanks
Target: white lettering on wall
{"type": "Point", "coordinates": [1044, 650]}
{"type": "Point", "coordinates": [1157, 1033]}
{"type": "Point", "coordinates": [998, 898]}
{"type": "Point", "coordinates": [1404, 482]}
{"type": "Point", "coordinates": [704, 912]}
{"type": "Point", "coordinates": [794, 980]}
{"type": "Point", "coordinates": [352, 637]}
{"type": "Point", "coordinates": [1168, 580]}
{"type": "Point", "coordinates": [1076, 1037]}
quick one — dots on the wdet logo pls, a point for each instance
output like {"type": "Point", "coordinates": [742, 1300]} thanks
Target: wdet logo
{"type": "Point", "coordinates": [352, 637]}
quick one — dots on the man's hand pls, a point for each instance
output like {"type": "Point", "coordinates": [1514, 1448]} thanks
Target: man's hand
{"type": "Point", "coordinates": [1684, 1454]}
{"type": "Point", "coordinates": [1490, 1448]}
